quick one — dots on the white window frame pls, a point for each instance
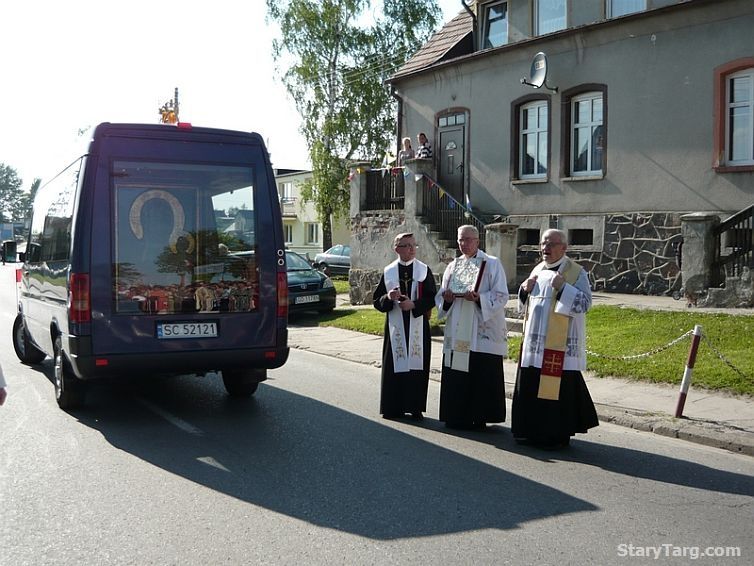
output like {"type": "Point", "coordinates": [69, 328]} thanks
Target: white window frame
{"type": "Point", "coordinates": [286, 191]}
{"type": "Point", "coordinates": [312, 232]}
{"type": "Point", "coordinates": [288, 233]}
{"type": "Point", "coordinates": [745, 142]}
{"type": "Point", "coordinates": [617, 8]}
{"type": "Point", "coordinates": [592, 124]}
{"type": "Point", "coordinates": [486, 44]}
{"type": "Point", "coordinates": [537, 10]}
{"type": "Point", "coordinates": [539, 130]}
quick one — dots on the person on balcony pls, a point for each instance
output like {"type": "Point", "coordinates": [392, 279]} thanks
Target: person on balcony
{"type": "Point", "coordinates": [551, 402]}
{"type": "Point", "coordinates": [425, 149]}
{"type": "Point", "coordinates": [472, 300]}
{"type": "Point", "coordinates": [406, 294]}
{"type": "Point", "coordinates": [406, 153]}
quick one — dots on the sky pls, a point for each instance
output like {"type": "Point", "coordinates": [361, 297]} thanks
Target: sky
{"type": "Point", "coordinates": [69, 65]}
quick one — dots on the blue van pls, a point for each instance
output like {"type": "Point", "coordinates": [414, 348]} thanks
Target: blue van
{"type": "Point", "coordinates": [158, 251]}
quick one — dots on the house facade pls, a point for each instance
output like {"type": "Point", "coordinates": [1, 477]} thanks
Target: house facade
{"type": "Point", "coordinates": [301, 226]}
{"type": "Point", "coordinates": [608, 119]}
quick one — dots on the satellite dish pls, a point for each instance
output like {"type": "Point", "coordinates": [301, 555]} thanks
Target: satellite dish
{"type": "Point", "coordinates": [538, 73]}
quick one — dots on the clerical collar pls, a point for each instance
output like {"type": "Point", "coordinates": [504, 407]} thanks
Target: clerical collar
{"type": "Point", "coordinates": [406, 263]}
{"type": "Point", "coordinates": [555, 264]}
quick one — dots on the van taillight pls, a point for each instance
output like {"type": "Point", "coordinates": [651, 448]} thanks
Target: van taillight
{"type": "Point", "coordinates": [282, 310]}
{"type": "Point", "coordinates": [18, 276]}
{"type": "Point", "coordinates": [79, 303]}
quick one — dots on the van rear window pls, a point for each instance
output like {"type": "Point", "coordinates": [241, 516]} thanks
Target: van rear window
{"type": "Point", "coordinates": [184, 238]}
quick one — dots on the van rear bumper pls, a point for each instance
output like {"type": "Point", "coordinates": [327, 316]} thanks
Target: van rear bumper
{"type": "Point", "coordinates": [89, 366]}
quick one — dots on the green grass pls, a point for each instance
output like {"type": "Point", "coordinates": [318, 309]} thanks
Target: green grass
{"type": "Point", "coordinates": [617, 332]}
{"type": "Point", "coordinates": [341, 285]}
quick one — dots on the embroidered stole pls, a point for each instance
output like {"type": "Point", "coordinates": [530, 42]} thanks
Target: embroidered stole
{"type": "Point", "coordinates": [408, 354]}
{"type": "Point", "coordinates": [556, 338]}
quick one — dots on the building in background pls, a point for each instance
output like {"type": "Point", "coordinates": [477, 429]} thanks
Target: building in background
{"type": "Point", "coordinates": [302, 228]}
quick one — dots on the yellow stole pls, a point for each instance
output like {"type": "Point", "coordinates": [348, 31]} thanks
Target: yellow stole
{"type": "Point", "coordinates": [555, 339]}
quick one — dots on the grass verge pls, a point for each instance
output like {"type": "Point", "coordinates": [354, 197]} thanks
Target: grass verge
{"type": "Point", "coordinates": [616, 332]}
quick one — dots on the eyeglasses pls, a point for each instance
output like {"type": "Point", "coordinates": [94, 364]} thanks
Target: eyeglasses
{"type": "Point", "coordinates": [414, 246]}
{"type": "Point", "coordinates": [461, 240]}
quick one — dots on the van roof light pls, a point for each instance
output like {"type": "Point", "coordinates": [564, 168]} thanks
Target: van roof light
{"type": "Point", "coordinates": [183, 125]}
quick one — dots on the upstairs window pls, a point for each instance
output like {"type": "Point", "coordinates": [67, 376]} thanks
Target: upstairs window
{"type": "Point", "coordinates": [739, 113]}
{"type": "Point", "coordinates": [549, 16]}
{"type": "Point", "coordinates": [495, 25]}
{"type": "Point", "coordinates": [285, 190]}
{"type": "Point", "coordinates": [616, 8]}
{"type": "Point", "coordinates": [312, 233]}
{"type": "Point", "coordinates": [587, 134]}
{"type": "Point", "coordinates": [533, 122]}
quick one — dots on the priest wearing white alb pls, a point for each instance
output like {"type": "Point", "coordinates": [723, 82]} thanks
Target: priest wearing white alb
{"type": "Point", "coordinates": [551, 402]}
{"type": "Point", "coordinates": [406, 294]}
{"type": "Point", "coordinates": [472, 301]}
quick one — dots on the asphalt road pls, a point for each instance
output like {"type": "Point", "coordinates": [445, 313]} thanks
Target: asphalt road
{"type": "Point", "coordinates": [174, 472]}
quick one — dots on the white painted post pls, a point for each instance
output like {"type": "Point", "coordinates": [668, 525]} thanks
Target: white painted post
{"type": "Point", "coordinates": [686, 381]}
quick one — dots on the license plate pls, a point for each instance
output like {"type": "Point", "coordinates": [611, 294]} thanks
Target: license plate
{"type": "Point", "coordinates": [166, 330]}
{"type": "Point", "coordinates": [307, 299]}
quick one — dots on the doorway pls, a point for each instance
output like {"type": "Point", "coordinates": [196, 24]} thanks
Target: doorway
{"type": "Point", "coordinates": [452, 155]}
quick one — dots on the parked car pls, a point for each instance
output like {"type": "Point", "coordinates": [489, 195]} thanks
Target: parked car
{"type": "Point", "coordinates": [308, 289]}
{"type": "Point", "coordinates": [335, 260]}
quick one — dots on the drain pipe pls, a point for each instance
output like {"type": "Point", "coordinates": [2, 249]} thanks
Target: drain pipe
{"type": "Point", "coordinates": [473, 23]}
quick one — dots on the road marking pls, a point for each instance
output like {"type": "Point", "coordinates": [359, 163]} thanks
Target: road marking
{"type": "Point", "coordinates": [172, 419]}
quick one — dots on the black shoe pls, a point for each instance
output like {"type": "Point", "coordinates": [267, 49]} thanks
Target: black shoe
{"type": "Point", "coordinates": [417, 416]}
{"type": "Point", "coordinates": [556, 444]}
{"type": "Point", "coordinates": [392, 416]}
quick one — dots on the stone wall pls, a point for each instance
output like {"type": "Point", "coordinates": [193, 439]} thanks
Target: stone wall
{"type": "Point", "coordinates": [639, 255]}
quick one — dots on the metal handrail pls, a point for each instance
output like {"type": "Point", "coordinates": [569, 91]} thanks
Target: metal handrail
{"type": "Point", "coordinates": [734, 246]}
{"type": "Point", "coordinates": [444, 213]}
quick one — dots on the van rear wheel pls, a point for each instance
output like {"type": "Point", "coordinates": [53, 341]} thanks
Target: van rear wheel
{"type": "Point", "coordinates": [242, 382]}
{"type": "Point", "coordinates": [27, 352]}
{"type": "Point", "coordinates": [69, 391]}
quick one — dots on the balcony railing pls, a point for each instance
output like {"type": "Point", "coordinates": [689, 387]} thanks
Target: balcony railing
{"type": "Point", "coordinates": [734, 246]}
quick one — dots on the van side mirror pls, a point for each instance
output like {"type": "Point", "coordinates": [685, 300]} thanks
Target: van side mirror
{"type": "Point", "coordinates": [22, 257]}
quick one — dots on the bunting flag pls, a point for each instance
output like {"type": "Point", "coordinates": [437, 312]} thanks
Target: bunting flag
{"type": "Point", "coordinates": [417, 177]}
{"type": "Point", "coordinates": [442, 193]}
{"type": "Point", "coordinates": [406, 172]}
{"type": "Point", "coordinates": [468, 202]}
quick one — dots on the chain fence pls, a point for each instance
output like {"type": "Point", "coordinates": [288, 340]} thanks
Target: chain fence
{"type": "Point", "coordinates": [706, 340]}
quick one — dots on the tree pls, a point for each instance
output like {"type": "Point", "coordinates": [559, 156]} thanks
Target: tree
{"type": "Point", "coordinates": [15, 204]}
{"type": "Point", "coordinates": [336, 78]}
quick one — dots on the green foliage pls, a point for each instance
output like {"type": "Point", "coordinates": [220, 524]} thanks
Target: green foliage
{"type": "Point", "coordinates": [338, 54]}
{"type": "Point", "coordinates": [15, 204]}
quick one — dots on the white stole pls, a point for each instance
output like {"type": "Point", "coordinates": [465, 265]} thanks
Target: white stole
{"type": "Point", "coordinates": [407, 354]}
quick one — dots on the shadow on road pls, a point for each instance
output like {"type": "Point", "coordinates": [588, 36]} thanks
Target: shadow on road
{"type": "Point", "coordinates": [318, 463]}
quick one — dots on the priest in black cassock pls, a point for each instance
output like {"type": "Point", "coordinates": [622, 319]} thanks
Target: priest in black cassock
{"type": "Point", "coordinates": [406, 294]}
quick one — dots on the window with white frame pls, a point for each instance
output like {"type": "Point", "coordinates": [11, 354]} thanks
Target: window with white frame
{"type": "Point", "coordinates": [495, 25]}
{"type": "Point", "coordinates": [587, 134]}
{"type": "Point", "coordinates": [533, 140]}
{"type": "Point", "coordinates": [617, 8]}
{"type": "Point", "coordinates": [312, 232]}
{"type": "Point", "coordinates": [288, 233]}
{"type": "Point", "coordinates": [286, 191]}
{"type": "Point", "coordinates": [549, 16]}
{"type": "Point", "coordinates": [739, 124]}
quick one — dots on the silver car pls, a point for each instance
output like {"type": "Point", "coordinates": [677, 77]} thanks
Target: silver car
{"type": "Point", "coordinates": [335, 260]}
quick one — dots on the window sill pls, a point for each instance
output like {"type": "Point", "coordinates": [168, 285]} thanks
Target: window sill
{"type": "Point", "coordinates": [733, 169]}
{"type": "Point", "coordinates": [580, 178]}
{"type": "Point", "coordinates": [530, 181]}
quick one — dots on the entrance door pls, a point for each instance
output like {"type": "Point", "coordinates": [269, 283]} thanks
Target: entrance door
{"type": "Point", "coordinates": [451, 161]}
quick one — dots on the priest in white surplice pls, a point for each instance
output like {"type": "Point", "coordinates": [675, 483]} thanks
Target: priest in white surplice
{"type": "Point", "coordinates": [472, 390]}
{"type": "Point", "coordinates": [406, 293]}
{"type": "Point", "coordinates": [551, 401]}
